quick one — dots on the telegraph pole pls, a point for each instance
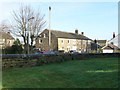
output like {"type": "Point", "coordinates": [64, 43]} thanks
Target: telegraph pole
{"type": "Point", "coordinates": [49, 27]}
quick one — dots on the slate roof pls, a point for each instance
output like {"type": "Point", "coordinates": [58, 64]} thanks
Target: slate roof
{"type": "Point", "coordinates": [62, 34]}
{"type": "Point", "coordinates": [6, 35]}
{"type": "Point", "coordinates": [113, 46]}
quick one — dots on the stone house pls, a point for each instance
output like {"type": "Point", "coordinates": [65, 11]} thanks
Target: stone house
{"type": "Point", "coordinates": [112, 45]}
{"type": "Point", "coordinates": [6, 40]}
{"type": "Point", "coordinates": [63, 41]}
{"type": "Point", "coordinates": [110, 48]}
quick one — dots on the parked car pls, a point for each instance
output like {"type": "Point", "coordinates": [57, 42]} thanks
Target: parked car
{"type": "Point", "coordinates": [48, 52]}
{"type": "Point", "coordinates": [73, 52]}
{"type": "Point", "coordinates": [38, 52]}
{"type": "Point", "coordinates": [51, 52]}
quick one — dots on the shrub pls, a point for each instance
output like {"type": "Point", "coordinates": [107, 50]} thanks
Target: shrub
{"type": "Point", "coordinates": [14, 49]}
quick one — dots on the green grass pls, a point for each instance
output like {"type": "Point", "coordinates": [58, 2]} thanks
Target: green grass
{"type": "Point", "coordinates": [92, 73]}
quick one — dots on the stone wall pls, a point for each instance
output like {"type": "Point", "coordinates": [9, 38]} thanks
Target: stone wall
{"type": "Point", "coordinates": [38, 60]}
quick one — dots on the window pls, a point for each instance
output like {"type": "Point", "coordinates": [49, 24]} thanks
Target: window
{"type": "Point", "coordinates": [62, 41]}
{"type": "Point", "coordinates": [40, 41]}
{"type": "Point", "coordinates": [44, 35]}
{"type": "Point", "coordinates": [68, 49]}
{"type": "Point", "coordinates": [68, 41]}
{"type": "Point", "coordinates": [40, 36]}
{"type": "Point", "coordinates": [112, 43]}
{"type": "Point", "coordinates": [8, 41]}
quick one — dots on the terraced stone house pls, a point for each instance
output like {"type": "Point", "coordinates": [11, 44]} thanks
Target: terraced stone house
{"type": "Point", "coordinates": [65, 41]}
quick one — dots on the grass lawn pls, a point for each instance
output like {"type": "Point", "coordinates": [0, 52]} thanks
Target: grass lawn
{"type": "Point", "coordinates": [92, 73]}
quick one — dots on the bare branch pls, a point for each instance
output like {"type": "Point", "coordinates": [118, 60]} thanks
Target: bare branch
{"type": "Point", "coordinates": [27, 20]}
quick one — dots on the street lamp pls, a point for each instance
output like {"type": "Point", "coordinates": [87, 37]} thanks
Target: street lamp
{"type": "Point", "coordinates": [49, 28]}
{"type": "Point", "coordinates": [28, 34]}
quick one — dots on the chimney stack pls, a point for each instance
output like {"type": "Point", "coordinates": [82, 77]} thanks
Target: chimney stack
{"type": "Point", "coordinates": [113, 34]}
{"type": "Point", "coordinates": [76, 31]}
{"type": "Point", "coordinates": [82, 33]}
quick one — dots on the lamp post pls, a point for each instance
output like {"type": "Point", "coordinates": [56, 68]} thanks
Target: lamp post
{"type": "Point", "coordinates": [49, 28]}
{"type": "Point", "coordinates": [28, 34]}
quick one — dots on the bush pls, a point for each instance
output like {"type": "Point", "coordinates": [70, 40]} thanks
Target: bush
{"type": "Point", "coordinates": [14, 49]}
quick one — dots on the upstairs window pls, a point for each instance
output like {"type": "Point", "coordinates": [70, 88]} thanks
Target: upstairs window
{"type": "Point", "coordinates": [40, 41]}
{"type": "Point", "coordinates": [112, 43]}
{"type": "Point", "coordinates": [44, 35]}
{"type": "Point", "coordinates": [68, 41]}
{"type": "Point", "coordinates": [40, 36]}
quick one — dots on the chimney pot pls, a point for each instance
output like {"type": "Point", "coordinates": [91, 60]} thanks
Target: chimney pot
{"type": "Point", "coordinates": [8, 32]}
{"type": "Point", "coordinates": [82, 33]}
{"type": "Point", "coordinates": [113, 34]}
{"type": "Point", "coordinates": [76, 31]}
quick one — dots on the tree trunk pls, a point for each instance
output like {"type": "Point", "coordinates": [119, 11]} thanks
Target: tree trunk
{"type": "Point", "coordinates": [25, 45]}
{"type": "Point", "coordinates": [31, 46]}
{"type": "Point", "coordinates": [25, 48]}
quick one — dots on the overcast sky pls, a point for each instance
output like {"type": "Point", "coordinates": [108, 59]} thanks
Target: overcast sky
{"type": "Point", "coordinates": [98, 20]}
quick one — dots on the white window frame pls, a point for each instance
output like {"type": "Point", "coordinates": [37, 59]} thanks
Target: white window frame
{"type": "Point", "coordinates": [44, 35]}
{"type": "Point", "coordinates": [40, 41]}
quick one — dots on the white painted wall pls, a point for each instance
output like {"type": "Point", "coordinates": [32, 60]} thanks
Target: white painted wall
{"type": "Point", "coordinates": [116, 41]}
{"type": "Point", "coordinates": [107, 51]}
{"type": "Point", "coordinates": [74, 48]}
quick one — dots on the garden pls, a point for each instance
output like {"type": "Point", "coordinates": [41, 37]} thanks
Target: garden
{"type": "Point", "coordinates": [91, 73]}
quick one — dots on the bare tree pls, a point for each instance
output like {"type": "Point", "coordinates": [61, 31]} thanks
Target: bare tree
{"type": "Point", "coordinates": [29, 24]}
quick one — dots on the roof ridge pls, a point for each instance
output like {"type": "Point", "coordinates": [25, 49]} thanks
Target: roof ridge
{"type": "Point", "coordinates": [70, 34]}
{"type": "Point", "coordinates": [67, 32]}
{"type": "Point", "coordinates": [62, 31]}
{"type": "Point", "coordinates": [6, 35]}
{"type": "Point", "coordinates": [100, 39]}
